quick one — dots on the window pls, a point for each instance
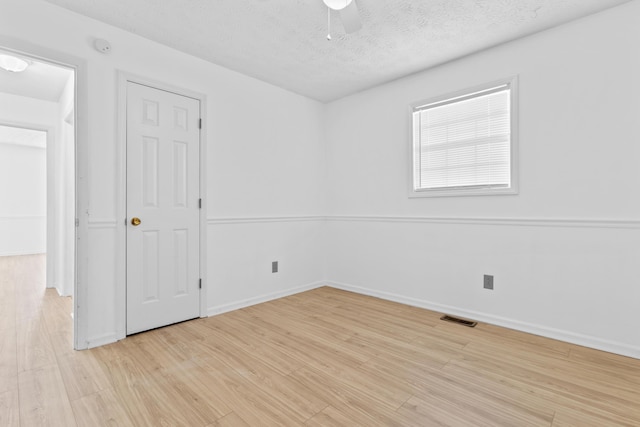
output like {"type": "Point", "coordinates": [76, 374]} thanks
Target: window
{"type": "Point", "coordinates": [464, 143]}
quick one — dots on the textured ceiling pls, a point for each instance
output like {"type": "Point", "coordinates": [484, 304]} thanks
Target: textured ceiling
{"type": "Point", "coordinates": [40, 80]}
{"type": "Point", "coordinates": [283, 42]}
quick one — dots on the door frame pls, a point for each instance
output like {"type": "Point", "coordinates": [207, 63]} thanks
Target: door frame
{"type": "Point", "coordinates": [81, 129]}
{"type": "Point", "coordinates": [123, 78]}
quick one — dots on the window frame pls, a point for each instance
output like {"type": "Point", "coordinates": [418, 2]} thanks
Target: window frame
{"type": "Point", "coordinates": [512, 82]}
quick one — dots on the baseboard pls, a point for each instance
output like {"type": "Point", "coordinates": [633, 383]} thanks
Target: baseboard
{"type": "Point", "coordinates": [101, 340]}
{"type": "Point", "coordinates": [21, 253]}
{"type": "Point", "coordinates": [558, 334]}
{"type": "Point", "coordinates": [220, 309]}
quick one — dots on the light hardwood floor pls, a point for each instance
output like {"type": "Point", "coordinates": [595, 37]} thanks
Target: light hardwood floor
{"type": "Point", "coordinates": [321, 358]}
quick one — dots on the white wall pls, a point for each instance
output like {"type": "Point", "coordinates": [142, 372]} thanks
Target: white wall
{"type": "Point", "coordinates": [560, 269]}
{"type": "Point", "coordinates": [258, 137]}
{"type": "Point", "coordinates": [23, 196]}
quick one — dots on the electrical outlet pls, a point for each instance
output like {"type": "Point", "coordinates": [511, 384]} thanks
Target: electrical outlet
{"type": "Point", "coordinates": [274, 267]}
{"type": "Point", "coordinates": [488, 282]}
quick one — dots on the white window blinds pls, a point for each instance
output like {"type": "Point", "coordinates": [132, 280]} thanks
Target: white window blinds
{"type": "Point", "coordinates": [464, 142]}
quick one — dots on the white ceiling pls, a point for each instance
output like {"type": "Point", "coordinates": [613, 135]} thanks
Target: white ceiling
{"type": "Point", "coordinates": [40, 80]}
{"type": "Point", "coordinates": [283, 42]}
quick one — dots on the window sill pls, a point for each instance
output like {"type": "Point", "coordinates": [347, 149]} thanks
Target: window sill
{"type": "Point", "coordinates": [413, 194]}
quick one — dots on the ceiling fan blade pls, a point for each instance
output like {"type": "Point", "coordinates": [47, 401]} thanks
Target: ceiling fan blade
{"type": "Point", "coordinates": [351, 18]}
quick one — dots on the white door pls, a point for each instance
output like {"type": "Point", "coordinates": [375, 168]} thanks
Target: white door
{"type": "Point", "coordinates": [163, 233]}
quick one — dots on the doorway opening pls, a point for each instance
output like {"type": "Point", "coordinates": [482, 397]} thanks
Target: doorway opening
{"type": "Point", "coordinates": [38, 182]}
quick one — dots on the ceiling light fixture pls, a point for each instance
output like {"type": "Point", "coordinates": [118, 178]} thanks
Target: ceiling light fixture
{"type": "Point", "coordinates": [337, 4]}
{"type": "Point", "coordinates": [349, 15]}
{"type": "Point", "coordinates": [13, 64]}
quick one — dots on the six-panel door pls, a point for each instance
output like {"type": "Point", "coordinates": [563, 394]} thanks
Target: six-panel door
{"type": "Point", "coordinates": [163, 149]}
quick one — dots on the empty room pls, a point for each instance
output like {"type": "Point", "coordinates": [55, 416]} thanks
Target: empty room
{"type": "Point", "coordinates": [319, 213]}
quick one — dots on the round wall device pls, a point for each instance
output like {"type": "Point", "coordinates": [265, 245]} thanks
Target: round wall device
{"type": "Point", "coordinates": [102, 46]}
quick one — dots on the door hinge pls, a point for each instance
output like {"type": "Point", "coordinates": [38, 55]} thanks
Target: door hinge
{"type": "Point", "coordinates": [199, 203]}
{"type": "Point", "coordinates": [199, 123]}
{"type": "Point", "coordinates": [200, 284]}
{"type": "Point", "coordinates": [77, 222]}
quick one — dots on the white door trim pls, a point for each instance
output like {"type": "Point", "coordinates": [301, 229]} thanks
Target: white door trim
{"type": "Point", "coordinates": [121, 207]}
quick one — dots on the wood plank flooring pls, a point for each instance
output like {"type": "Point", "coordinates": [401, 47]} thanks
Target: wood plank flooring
{"type": "Point", "coordinates": [321, 358]}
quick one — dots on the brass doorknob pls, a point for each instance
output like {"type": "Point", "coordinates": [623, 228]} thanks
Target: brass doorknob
{"type": "Point", "coordinates": [135, 221]}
